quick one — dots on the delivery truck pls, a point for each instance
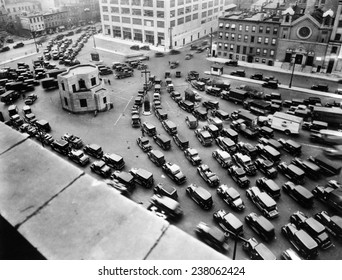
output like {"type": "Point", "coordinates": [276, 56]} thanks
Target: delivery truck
{"type": "Point", "coordinates": [285, 122]}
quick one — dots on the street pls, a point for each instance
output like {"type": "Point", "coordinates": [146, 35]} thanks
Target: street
{"type": "Point", "coordinates": [113, 132]}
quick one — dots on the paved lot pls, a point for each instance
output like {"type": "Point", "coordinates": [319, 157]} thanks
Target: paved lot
{"type": "Point", "coordinates": [112, 130]}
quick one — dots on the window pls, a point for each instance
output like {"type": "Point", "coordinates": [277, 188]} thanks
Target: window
{"type": "Point", "coordinates": [220, 35]}
{"type": "Point", "coordinates": [274, 41]}
{"type": "Point", "coordinates": [266, 39]}
{"type": "Point", "coordinates": [259, 40]}
{"type": "Point", "coordinates": [74, 88]}
{"type": "Point", "coordinates": [238, 48]}
{"type": "Point", "coordinates": [232, 36]}
{"type": "Point", "coordinates": [180, 2]}
{"type": "Point", "coordinates": [104, 9]}
{"type": "Point", "coordinates": [93, 81]}
{"type": "Point", "coordinates": [340, 23]}
{"type": "Point", "coordinates": [268, 30]}
{"type": "Point", "coordinates": [137, 21]}
{"type": "Point", "coordinates": [257, 59]}
{"type": "Point", "coordinates": [245, 39]}
{"type": "Point", "coordinates": [240, 27]}
{"type": "Point", "coordinates": [148, 22]}
{"type": "Point", "coordinates": [180, 21]}
{"type": "Point", "coordinates": [275, 30]}
{"type": "Point", "coordinates": [265, 52]}
{"type": "Point", "coordinates": [225, 46]}
{"type": "Point", "coordinates": [231, 47]}
{"type": "Point", "coordinates": [180, 11]}
{"type": "Point", "coordinates": [244, 50]}
{"type": "Point", "coordinates": [220, 45]}
{"type": "Point", "coordinates": [172, 23]}
{"type": "Point", "coordinates": [251, 49]}
{"type": "Point", "coordinates": [147, 3]}
{"type": "Point", "coordinates": [195, 7]}
{"type": "Point", "coordinates": [337, 37]}
{"type": "Point", "coordinates": [148, 13]}
{"type": "Point", "coordinates": [204, 5]}
{"type": "Point", "coordinates": [263, 60]}
{"type": "Point", "coordinates": [221, 25]}
{"type": "Point", "coordinates": [204, 14]}
{"type": "Point", "coordinates": [227, 35]}
{"type": "Point", "coordinates": [81, 83]}
{"type": "Point", "coordinates": [172, 3]}
{"type": "Point", "coordinates": [252, 39]}
{"type": "Point", "coordinates": [106, 17]}
{"type": "Point", "coordinates": [261, 29]}
{"type": "Point", "coordinates": [126, 20]}
{"type": "Point", "coordinates": [239, 37]}
{"type": "Point", "coordinates": [253, 28]}
{"type": "Point", "coordinates": [188, 18]}
{"type": "Point", "coordinates": [63, 86]}
{"type": "Point", "coordinates": [258, 51]}
{"type": "Point", "coordinates": [83, 103]}
{"type": "Point", "coordinates": [160, 4]}
{"type": "Point", "coordinates": [160, 24]}
{"type": "Point", "coordinates": [334, 50]}
{"type": "Point", "coordinates": [115, 10]}
{"type": "Point", "coordinates": [271, 52]}
{"type": "Point", "coordinates": [195, 16]}
{"type": "Point", "coordinates": [105, 100]}
{"type": "Point", "coordinates": [124, 2]}
{"type": "Point", "coordinates": [227, 25]}
{"type": "Point", "coordinates": [160, 14]}
{"type": "Point", "coordinates": [224, 54]}
{"type": "Point", "coordinates": [172, 13]}
{"type": "Point", "coordinates": [66, 101]}
{"type": "Point", "coordinates": [233, 26]}
{"type": "Point", "coordinates": [247, 28]}
{"type": "Point", "coordinates": [188, 9]}
{"type": "Point", "coordinates": [237, 57]}
{"type": "Point", "coordinates": [125, 11]}
{"type": "Point", "coordinates": [243, 58]}
{"type": "Point", "coordinates": [115, 18]}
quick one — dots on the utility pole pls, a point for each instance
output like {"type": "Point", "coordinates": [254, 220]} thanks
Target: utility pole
{"type": "Point", "coordinates": [34, 39]}
{"type": "Point", "coordinates": [293, 67]}
{"type": "Point", "coordinates": [145, 72]}
{"type": "Point", "coordinates": [211, 41]}
{"type": "Point", "coordinates": [170, 29]}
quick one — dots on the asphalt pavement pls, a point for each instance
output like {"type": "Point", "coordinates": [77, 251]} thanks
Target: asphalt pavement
{"type": "Point", "coordinates": [112, 130]}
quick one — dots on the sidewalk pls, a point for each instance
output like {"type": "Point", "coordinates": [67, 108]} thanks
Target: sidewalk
{"type": "Point", "coordinates": [305, 90]}
{"type": "Point", "coordinates": [278, 69]}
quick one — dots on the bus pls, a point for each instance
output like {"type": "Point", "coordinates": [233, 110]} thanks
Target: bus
{"type": "Point", "coordinates": [333, 116]}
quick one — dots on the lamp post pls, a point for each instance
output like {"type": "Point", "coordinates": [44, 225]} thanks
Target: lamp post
{"type": "Point", "coordinates": [170, 29]}
{"type": "Point", "coordinates": [293, 59]}
{"type": "Point", "coordinates": [34, 39]}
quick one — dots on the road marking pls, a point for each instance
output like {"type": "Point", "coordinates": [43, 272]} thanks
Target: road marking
{"type": "Point", "coordinates": [123, 111]}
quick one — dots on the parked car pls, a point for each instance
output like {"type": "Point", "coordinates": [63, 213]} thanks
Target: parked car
{"type": "Point", "coordinates": [240, 73]}
{"type": "Point", "coordinates": [257, 251]}
{"type": "Point", "coordinates": [263, 202]}
{"type": "Point", "coordinates": [61, 146]}
{"type": "Point", "coordinates": [208, 176]}
{"type": "Point", "coordinates": [162, 141]}
{"type": "Point", "coordinates": [223, 158]}
{"type": "Point", "coordinates": [166, 190]}
{"type": "Point", "coordinates": [191, 122]}
{"type": "Point", "coordinates": [18, 45]}
{"type": "Point", "coordinates": [311, 170]}
{"type": "Point", "coordinates": [30, 99]}
{"type": "Point", "coordinates": [245, 162]}
{"type": "Point", "coordinates": [200, 195]}
{"type": "Point", "coordinates": [174, 172]}
{"type": "Point", "coordinates": [333, 224]}
{"type": "Point", "coordinates": [320, 87]}
{"type": "Point", "coordinates": [292, 172]}
{"type": "Point", "coordinates": [266, 167]}
{"type": "Point", "coordinates": [300, 194]}
{"type": "Point", "coordinates": [114, 160]}
{"type": "Point", "coordinates": [192, 155]}
{"type": "Point", "coordinates": [269, 186]}
{"type": "Point", "coordinates": [93, 150]}
{"type": "Point", "coordinates": [247, 149]}
{"type": "Point", "coordinates": [231, 196]}
{"type": "Point", "coordinates": [228, 222]}
{"type": "Point", "coordinates": [144, 144]}
{"type": "Point", "coordinates": [142, 177]}
{"type": "Point", "coordinates": [239, 176]}
{"type": "Point", "coordinates": [261, 226]}
{"type": "Point", "coordinates": [301, 240]}
{"type": "Point", "coordinates": [79, 157]}
{"type": "Point", "coordinates": [101, 168]}
{"type": "Point", "coordinates": [181, 141]}
{"type": "Point", "coordinates": [75, 141]}
{"type": "Point", "coordinates": [290, 254]}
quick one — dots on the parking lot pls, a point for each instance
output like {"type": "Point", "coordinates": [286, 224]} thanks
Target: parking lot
{"type": "Point", "coordinates": [113, 132]}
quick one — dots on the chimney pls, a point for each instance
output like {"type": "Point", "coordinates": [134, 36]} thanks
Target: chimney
{"type": "Point", "coordinates": [310, 6]}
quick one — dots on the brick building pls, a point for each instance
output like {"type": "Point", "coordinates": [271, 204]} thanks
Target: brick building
{"type": "Point", "coordinates": [33, 23]}
{"type": "Point", "coordinates": [81, 90]}
{"type": "Point", "coordinates": [247, 37]}
{"type": "Point", "coordinates": [55, 20]}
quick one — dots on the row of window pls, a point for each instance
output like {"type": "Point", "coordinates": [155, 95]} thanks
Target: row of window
{"type": "Point", "coordinates": [36, 19]}
{"type": "Point", "coordinates": [232, 37]}
{"type": "Point", "coordinates": [243, 58]}
{"type": "Point", "coordinates": [24, 8]}
{"type": "Point", "coordinates": [244, 49]}
{"type": "Point", "coordinates": [160, 3]}
{"type": "Point", "coordinates": [239, 27]}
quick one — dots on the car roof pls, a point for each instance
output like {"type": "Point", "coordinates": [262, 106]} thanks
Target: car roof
{"type": "Point", "coordinates": [95, 147]}
{"type": "Point", "coordinates": [315, 225]}
{"type": "Point", "coordinates": [308, 241]}
{"type": "Point", "coordinates": [217, 234]}
{"type": "Point", "coordinates": [157, 153]}
{"type": "Point", "coordinates": [144, 173]}
{"type": "Point", "coordinates": [233, 193]}
{"type": "Point", "coordinates": [233, 220]}
{"type": "Point", "coordinates": [296, 169]}
{"type": "Point", "coordinates": [267, 200]}
{"type": "Point", "coordinates": [203, 193]}
{"type": "Point", "coordinates": [264, 252]}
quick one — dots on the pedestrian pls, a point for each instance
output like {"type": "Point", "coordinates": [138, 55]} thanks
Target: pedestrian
{"type": "Point", "coordinates": [108, 81]}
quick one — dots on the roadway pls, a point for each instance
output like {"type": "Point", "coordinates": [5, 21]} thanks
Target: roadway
{"type": "Point", "coordinates": [112, 130]}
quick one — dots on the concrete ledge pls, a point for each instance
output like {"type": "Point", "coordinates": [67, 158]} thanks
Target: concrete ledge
{"type": "Point", "coordinates": [178, 245]}
{"type": "Point", "coordinates": [67, 214]}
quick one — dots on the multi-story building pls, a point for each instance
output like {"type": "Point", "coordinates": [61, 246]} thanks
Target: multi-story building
{"type": "Point", "coordinates": [81, 11]}
{"type": "Point", "coordinates": [304, 39]}
{"type": "Point", "coordinates": [167, 23]}
{"type": "Point", "coordinates": [33, 22]}
{"type": "Point", "coordinates": [247, 37]}
{"type": "Point", "coordinates": [16, 7]}
{"type": "Point", "coordinates": [81, 89]}
{"type": "Point", "coordinates": [55, 20]}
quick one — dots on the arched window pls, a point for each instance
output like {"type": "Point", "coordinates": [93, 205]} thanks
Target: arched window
{"type": "Point", "coordinates": [81, 83]}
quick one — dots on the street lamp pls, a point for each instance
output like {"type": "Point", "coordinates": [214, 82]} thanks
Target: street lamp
{"type": "Point", "coordinates": [170, 29]}
{"type": "Point", "coordinates": [293, 59]}
{"type": "Point", "coordinates": [34, 39]}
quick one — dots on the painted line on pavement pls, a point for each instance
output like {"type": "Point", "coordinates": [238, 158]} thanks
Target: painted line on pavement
{"type": "Point", "coordinates": [123, 111]}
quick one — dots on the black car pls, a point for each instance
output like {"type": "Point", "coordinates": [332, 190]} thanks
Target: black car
{"type": "Point", "coordinates": [292, 172]}
{"type": "Point", "coordinates": [257, 76]}
{"type": "Point", "coordinates": [300, 194]}
{"type": "Point", "coordinates": [173, 171]}
{"type": "Point", "coordinates": [239, 176]}
{"type": "Point", "coordinates": [101, 168]}
{"type": "Point", "coordinates": [263, 202]}
{"type": "Point", "coordinates": [157, 157]}
{"type": "Point", "coordinates": [320, 87]}
{"type": "Point", "coordinates": [144, 144]}
{"type": "Point", "coordinates": [210, 177]}
{"type": "Point", "coordinates": [257, 251]}
{"type": "Point", "coordinates": [192, 155]}
{"type": "Point", "coordinates": [79, 157]}
{"type": "Point", "coordinates": [291, 147]}
{"type": "Point", "coordinates": [168, 206]}
{"type": "Point", "coordinates": [223, 158]}
{"type": "Point", "coordinates": [18, 45]}
{"type": "Point", "coordinates": [261, 226]}
{"type": "Point", "coordinates": [165, 190]}
{"type": "Point", "coordinates": [61, 146]}
{"type": "Point", "coordinates": [301, 240]}
{"type": "Point", "coordinates": [247, 149]}
{"type": "Point", "coordinates": [181, 141]}
{"type": "Point", "coordinates": [269, 186]}
{"type": "Point", "coordinates": [228, 222]}
{"type": "Point", "coordinates": [271, 84]}
{"type": "Point", "coordinates": [211, 104]}
{"type": "Point", "coordinates": [231, 196]}
{"type": "Point", "coordinates": [240, 73]}
{"type": "Point", "coordinates": [266, 167]}
{"type": "Point", "coordinates": [246, 163]}
{"type": "Point", "coordinates": [93, 150]}
{"type": "Point", "coordinates": [162, 141]}
{"type": "Point", "coordinates": [333, 224]}
{"type": "Point", "coordinates": [75, 141]}
{"type": "Point", "coordinates": [200, 195]}
{"type": "Point", "coordinates": [313, 227]}
{"type": "Point", "coordinates": [213, 236]}
{"type": "Point", "coordinates": [311, 170]}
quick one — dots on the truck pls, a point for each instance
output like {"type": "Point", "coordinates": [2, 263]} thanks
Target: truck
{"type": "Point", "coordinates": [330, 196]}
{"type": "Point", "coordinates": [258, 107]}
{"type": "Point", "coordinates": [124, 74]}
{"type": "Point", "coordinates": [250, 119]}
{"type": "Point", "coordinates": [9, 96]}
{"type": "Point", "coordinates": [285, 122]}
{"type": "Point", "coordinates": [333, 116]}
{"type": "Point", "coordinates": [235, 95]}
{"type": "Point", "coordinates": [241, 127]}
{"type": "Point", "coordinates": [49, 83]}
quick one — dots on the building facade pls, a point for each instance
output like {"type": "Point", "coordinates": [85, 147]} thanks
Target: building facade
{"type": "Point", "coordinates": [33, 23]}
{"type": "Point", "coordinates": [168, 23]}
{"type": "Point", "coordinates": [81, 90]}
{"type": "Point", "coordinates": [304, 39]}
{"type": "Point", "coordinates": [248, 37]}
{"type": "Point", "coordinates": [55, 20]}
{"type": "Point", "coordinates": [16, 7]}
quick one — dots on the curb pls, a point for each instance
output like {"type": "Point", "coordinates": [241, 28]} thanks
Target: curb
{"type": "Point", "coordinates": [17, 58]}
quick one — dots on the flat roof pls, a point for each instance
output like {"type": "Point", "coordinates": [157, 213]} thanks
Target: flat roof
{"type": "Point", "coordinates": [79, 69]}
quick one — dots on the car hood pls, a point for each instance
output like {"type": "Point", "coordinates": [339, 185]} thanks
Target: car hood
{"type": "Point", "coordinates": [196, 158]}
{"type": "Point", "coordinates": [105, 168]}
{"type": "Point", "coordinates": [238, 203]}
{"type": "Point", "coordinates": [179, 175]}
